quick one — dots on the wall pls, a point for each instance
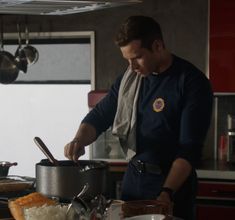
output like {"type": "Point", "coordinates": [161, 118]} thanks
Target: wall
{"type": "Point", "coordinates": [38, 110]}
{"type": "Point", "coordinates": [184, 25]}
{"type": "Point", "coordinates": [51, 109]}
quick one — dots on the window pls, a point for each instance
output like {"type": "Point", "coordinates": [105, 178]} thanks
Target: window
{"type": "Point", "coordinates": [48, 101]}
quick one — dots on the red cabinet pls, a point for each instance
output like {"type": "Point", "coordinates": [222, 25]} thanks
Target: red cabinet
{"type": "Point", "coordinates": [215, 212]}
{"type": "Point", "coordinates": [95, 96]}
{"type": "Point", "coordinates": [216, 200]}
{"type": "Point", "coordinates": [222, 45]}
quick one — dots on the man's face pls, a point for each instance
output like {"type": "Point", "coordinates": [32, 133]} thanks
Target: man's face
{"type": "Point", "coordinates": [142, 60]}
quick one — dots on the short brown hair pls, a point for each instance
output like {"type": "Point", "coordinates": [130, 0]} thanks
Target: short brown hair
{"type": "Point", "coordinates": [141, 28]}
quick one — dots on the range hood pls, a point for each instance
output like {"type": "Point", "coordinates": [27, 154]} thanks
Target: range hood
{"type": "Point", "coordinates": [58, 7]}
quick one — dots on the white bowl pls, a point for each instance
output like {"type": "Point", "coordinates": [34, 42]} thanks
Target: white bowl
{"type": "Point", "coordinates": [147, 217]}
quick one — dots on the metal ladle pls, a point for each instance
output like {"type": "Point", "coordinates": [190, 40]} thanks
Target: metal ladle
{"type": "Point", "coordinates": [46, 151]}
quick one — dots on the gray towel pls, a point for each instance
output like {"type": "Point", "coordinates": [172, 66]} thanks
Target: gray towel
{"type": "Point", "coordinates": [124, 126]}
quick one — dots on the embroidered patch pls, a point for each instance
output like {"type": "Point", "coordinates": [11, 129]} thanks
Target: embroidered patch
{"type": "Point", "coordinates": [158, 105]}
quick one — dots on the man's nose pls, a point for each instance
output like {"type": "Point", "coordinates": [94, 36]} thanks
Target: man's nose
{"type": "Point", "coordinates": [133, 64]}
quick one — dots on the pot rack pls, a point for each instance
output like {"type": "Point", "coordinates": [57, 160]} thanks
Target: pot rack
{"type": "Point", "coordinates": [58, 7]}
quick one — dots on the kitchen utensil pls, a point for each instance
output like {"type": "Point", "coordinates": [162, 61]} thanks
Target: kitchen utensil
{"type": "Point", "coordinates": [4, 167]}
{"type": "Point", "coordinates": [99, 207]}
{"type": "Point", "coordinates": [67, 178]}
{"type": "Point", "coordinates": [45, 150]}
{"type": "Point", "coordinates": [94, 208]}
{"type": "Point", "coordinates": [31, 52]}
{"type": "Point", "coordinates": [8, 67]}
{"type": "Point", "coordinates": [77, 202]}
{"type": "Point", "coordinates": [20, 56]}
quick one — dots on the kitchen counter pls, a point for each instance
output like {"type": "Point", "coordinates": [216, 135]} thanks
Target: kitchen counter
{"type": "Point", "coordinates": [208, 169]}
{"type": "Point", "coordinates": [220, 170]}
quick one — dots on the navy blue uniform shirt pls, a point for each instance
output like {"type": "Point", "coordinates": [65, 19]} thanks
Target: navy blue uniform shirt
{"type": "Point", "coordinates": [173, 115]}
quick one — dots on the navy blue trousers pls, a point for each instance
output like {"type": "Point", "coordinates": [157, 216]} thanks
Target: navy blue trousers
{"type": "Point", "coordinates": [139, 186]}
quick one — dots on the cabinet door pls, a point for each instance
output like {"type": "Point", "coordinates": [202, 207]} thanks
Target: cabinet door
{"type": "Point", "coordinates": [215, 200]}
{"type": "Point", "coordinates": [215, 212]}
{"type": "Point", "coordinates": [222, 45]}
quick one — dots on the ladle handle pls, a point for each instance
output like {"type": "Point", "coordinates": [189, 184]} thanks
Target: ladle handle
{"type": "Point", "coordinates": [84, 189]}
{"type": "Point", "coordinates": [45, 150]}
{"type": "Point", "coordinates": [1, 37]}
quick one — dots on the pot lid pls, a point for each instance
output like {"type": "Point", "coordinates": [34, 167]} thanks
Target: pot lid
{"type": "Point", "coordinates": [58, 7]}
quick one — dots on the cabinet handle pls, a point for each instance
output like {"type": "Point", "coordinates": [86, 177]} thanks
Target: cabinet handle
{"type": "Point", "coordinates": [224, 193]}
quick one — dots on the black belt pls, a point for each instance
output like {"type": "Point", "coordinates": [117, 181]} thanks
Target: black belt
{"type": "Point", "coordinates": [143, 167]}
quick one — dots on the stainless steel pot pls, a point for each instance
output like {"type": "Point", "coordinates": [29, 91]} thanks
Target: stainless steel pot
{"type": "Point", "coordinates": [67, 179]}
{"type": "Point", "coordinates": [4, 167]}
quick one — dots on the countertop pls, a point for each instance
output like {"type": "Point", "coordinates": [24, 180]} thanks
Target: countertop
{"type": "Point", "coordinates": [208, 169]}
{"type": "Point", "coordinates": [221, 170]}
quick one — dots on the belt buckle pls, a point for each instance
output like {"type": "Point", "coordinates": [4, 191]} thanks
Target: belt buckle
{"type": "Point", "coordinates": [140, 166]}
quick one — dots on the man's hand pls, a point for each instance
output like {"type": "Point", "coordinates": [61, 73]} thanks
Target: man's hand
{"type": "Point", "coordinates": [74, 150]}
{"type": "Point", "coordinates": [85, 135]}
{"type": "Point", "coordinates": [164, 197]}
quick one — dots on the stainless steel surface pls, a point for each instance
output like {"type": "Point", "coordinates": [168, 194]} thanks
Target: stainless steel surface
{"type": "Point", "coordinates": [231, 146]}
{"type": "Point", "coordinates": [216, 129]}
{"type": "Point", "coordinates": [230, 122]}
{"type": "Point", "coordinates": [20, 56]}
{"type": "Point", "coordinates": [67, 179]}
{"type": "Point", "coordinates": [58, 7]}
{"type": "Point", "coordinates": [45, 150]}
{"type": "Point", "coordinates": [213, 169]}
{"type": "Point", "coordinates": [231, 133]}
{"type": "Point", "coordinates": [230, 138]}
{"type": "Point", "coordinates": [31, 52]}
{"type": "Point", "coordinates": [74, 203]}
{"type": "Point", "coordinates": [4, 167]}
{"type": "Point", "coordinates": [8, 67]}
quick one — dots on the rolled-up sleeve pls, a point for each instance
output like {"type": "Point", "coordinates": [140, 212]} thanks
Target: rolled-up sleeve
{"type": "Point", "coordinates": [195, 118]}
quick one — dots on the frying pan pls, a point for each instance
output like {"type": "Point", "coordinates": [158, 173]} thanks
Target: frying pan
{"type": "Point", "coordinates": [20, 55]}
{"type": "Point", "coordinates": [31, 52]}
{"type": "Point", "coordinates": [8, 66]}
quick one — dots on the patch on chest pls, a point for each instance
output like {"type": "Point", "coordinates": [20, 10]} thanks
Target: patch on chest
{"type": "Point", "coordinates": [158, 104]}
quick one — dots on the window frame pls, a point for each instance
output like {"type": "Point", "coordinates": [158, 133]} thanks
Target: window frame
{"type": "Point", "coordinates": [52, 38]}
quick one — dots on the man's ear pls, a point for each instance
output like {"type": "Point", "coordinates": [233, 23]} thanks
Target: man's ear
{"type": "Point", "coordinates": [157, 45]}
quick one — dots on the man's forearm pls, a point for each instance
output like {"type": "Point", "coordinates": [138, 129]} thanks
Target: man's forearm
{"type": "Point", "coordinates": [179, 172]}
{"type": "Point", "coordinates": [86, 134]}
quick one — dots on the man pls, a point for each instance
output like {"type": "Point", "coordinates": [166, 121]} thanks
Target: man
{"type": "Point", "coordinates": [169, 104]}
